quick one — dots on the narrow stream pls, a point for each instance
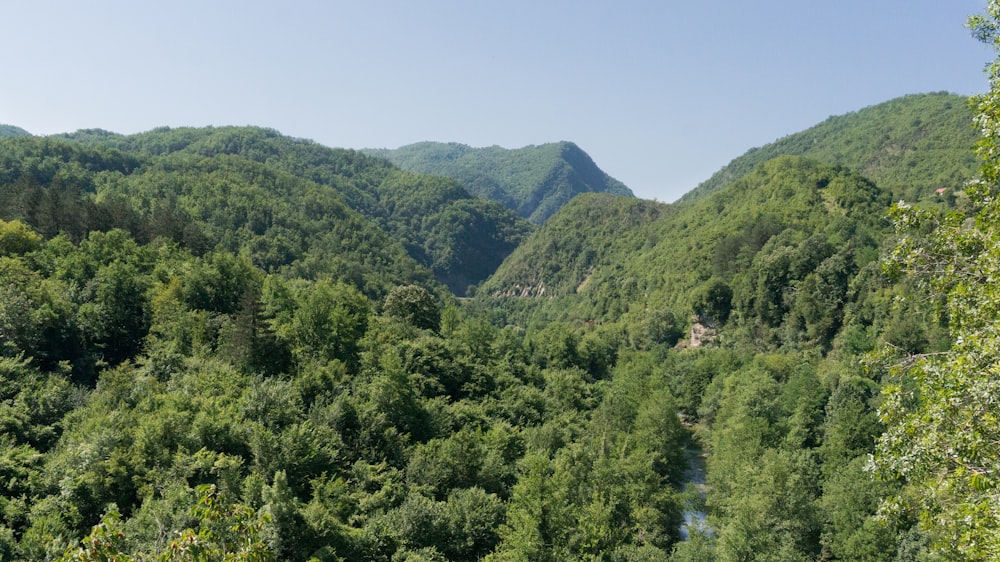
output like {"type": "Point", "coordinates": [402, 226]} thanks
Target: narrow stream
{"type": "Point", "coordinates": [694, 494]}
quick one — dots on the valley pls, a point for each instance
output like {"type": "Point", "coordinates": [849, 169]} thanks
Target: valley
{"type": "Point", "coordinates": [226, 342]}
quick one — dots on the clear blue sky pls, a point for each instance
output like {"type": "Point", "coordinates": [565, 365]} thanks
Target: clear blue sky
{"type": "Point", "coordinates": [661, 93]}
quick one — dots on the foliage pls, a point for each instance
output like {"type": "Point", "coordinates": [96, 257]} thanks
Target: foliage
{"type": "Point", "coordinates": [940, 408]}
{"type": "Point", "coordinates": [773, 254]}
{"type": "Point", "coordinates": [415, 306]}
{"type": "Point", "coordinates": [253, 191]}
{"type": "Point", "coordinates": [225, 532]}
{"type": "Point", "coordinates": [17, 238]}
{"type": "Point", "coordinates": [535, 181]}
{"type": "Point", "coordinates": [911, 146]}
{"type": "Point", "coordinates": [226, 343]}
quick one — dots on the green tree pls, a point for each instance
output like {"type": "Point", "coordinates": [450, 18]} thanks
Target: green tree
{"type": "Point", "coordinates": [117, 320]}
{"type": "Point", "coordinates": [713, 302]}
{"type": "Point", "coordinates": [35, 316]}
{"type": "Point", "coordinates": [226, 531]}
{"type": "Point", "coordinates": [414, 305]}
{"type": "Point", "coordinates": [17, 238]}
{"type": "Point", "coordinates": [473, 517]}
{"type": "Point", "coordinates": [538, 516]}
{"type": "Point", "coordinates": [329, 321]}
{"type": "Point", "coordinates": [941, 411]}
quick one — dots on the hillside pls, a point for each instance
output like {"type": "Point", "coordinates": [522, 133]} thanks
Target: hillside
{"type": "Point", "coordinates": [12, 131]}
{"type": "Point", "coordinates": [209, 350]}
{"type": "Point", "coordinates": [460, 238]}
{"type": "Point", "coordinates": [615, 260]}
{"type": "Point", "coordinates": [278, 221]}
{"type": "Point", "coordinates": [535, 181]}
{"type": "Point", "coordinates": [224, 343]}
{"type": "Point", "coordinates": [758, 302]}
{"type": "Point", "coordinates": [586, 235]}
{"type": "Point", "coordinates": [587, 270]}
{"type": "Point", "coordinates": [910, 146]}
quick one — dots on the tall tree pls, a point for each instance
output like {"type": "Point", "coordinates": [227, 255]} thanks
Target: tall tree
{"type": "Point", "coordinates": [942, 410]}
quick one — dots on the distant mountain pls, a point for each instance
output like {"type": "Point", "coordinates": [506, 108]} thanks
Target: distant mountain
{"type": "Point", "coordinates": [910, 146]}
{"type": "Point", "coordinates": [12, 131]}
{"type": "Point", "coordinates": [287, 203]}
{"type": "Point", "coordinates": [535, 181]}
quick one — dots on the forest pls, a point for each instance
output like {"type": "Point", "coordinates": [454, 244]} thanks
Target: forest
{"type": "Point", "coordinates": [228, 344]}
{"type": "Point", "coordinates": [534, 181]}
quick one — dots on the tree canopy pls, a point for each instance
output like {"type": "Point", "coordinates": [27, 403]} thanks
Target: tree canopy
{"type": "Point", "coordinates": [941, 409]}
{"type": "Point", "coordinates": [226, 344]}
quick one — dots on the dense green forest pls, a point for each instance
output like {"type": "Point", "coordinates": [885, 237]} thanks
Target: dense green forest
{"type": "Point", "coordinates": [910, 146]}
{"type": "Point", "coordinates": [535, 181]}
{"type": "Point", "coordinates": [226, 344]}
{"type": "Point", "coordinates": [12, 131]}
{"type": "Point", "coordinates": [791, 224]}
{"type": "Point", "coordinates": [275, 198]}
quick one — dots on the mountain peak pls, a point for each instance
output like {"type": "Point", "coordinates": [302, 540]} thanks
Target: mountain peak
{"type": "Point", "coordinates": [535, 180]}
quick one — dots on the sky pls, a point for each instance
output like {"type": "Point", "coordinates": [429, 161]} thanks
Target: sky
{"type": "Point", "coordinates": [660, 93]}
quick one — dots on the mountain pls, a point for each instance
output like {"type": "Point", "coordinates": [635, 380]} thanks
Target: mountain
{"type": "Point", "coordinates": [911, 146]}
{"type": "Point", "coordinates": [591, 233]}
{"type": "Point", "coordinates": [199, 330]}
{"type": "Point", "coordinates": [757, 304]}
{"type": "Point", "coordinates": [616, 260]}
{"type": "Point", "coordinates": [12, 131]}
{"type": "Point", "coordinates": [278, 221]}
{"type": "Point", "coordinates": [228, 338]}
{"type": "Point", "coordinates": [462, 239]}
{"type": "Point", "coordinates": [534, 181]}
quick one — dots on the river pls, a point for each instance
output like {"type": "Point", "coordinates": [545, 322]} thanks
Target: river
{"type": "Point", "coordinates": [695, 518]}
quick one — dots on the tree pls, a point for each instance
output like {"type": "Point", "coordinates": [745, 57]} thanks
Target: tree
{"type": "Point", "coordinates": [226, 531]}
{"type": "Point", "coordinates": [414, 305]}
{"type": "Point", "coordinates": [538, 516]}
{"type": "Point", "coordinates": [473, 518]}
{"type": "Point", "coordinates": [34, 315]}
{"type": "Point", "coordinates": [17, 238]}
{"type": "Point", "coordinates": [942, 410]}
{"type": "Point", "coordinates": [118, 319]}
{"type": "Point", "coordinates": [328, 323]}
{"type": "Point", "coordinates": [713, 302]}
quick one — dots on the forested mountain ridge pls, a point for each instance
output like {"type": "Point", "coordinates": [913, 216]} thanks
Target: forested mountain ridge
{"type": "Point", "coordinates": [914, 146]}
{"type": "Point", "coordinates": [206, 356]}
{"type": "Point", "coordinates": [780, 273]}
{"type": "Point", "coordinates": [619, 261]}
{"type": "Point", "coordinates": [462, 239]}
{"type": "Point", "coordinates": [797, 325]}
{"type": "Point", "coordinates": [224, 344]}
{"type": "Point", "coordinates": [226, 203]}
{"type": "Point", "coordinates": [911, 146]}
{"type": "Point", "coordinates": [12, 131]}
{"type": "Point", "coordinates": [535, 181]}
{"type": "Point", "coordinates": [589, 232]}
